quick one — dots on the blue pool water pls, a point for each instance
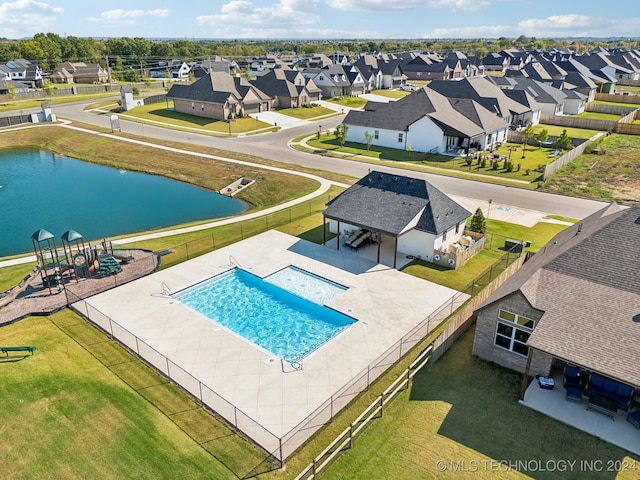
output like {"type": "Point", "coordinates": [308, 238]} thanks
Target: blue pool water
{"type": "Point", "coordinates": [39, 189]}
{"type": "Point", "coordinates": [288, 326]}
{"type": "Point", "coordinates": [306, 285]}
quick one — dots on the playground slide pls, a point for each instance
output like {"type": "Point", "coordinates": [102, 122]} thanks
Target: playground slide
{"type": "Point", "coordinates": [21, 287]}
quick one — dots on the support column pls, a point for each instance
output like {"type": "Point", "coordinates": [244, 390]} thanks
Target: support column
{"type": "Point", "coordinates": [338, 222]}
{"type": "Point", "coordinates": [525, 377]}
{"type": "Point", "coordinates": [379, 242]}
{"type": "Point", "coordinates": [395, 252]}
{"type": "Point", "coordinates": [324, 230]}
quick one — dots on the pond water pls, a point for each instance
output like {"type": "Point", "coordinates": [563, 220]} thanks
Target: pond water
{"type": "Point", "coordinates": [39, 189]}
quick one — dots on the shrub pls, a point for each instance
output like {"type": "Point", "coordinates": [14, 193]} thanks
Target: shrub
{"type": "Point", "coordinates": [135, 91]}
{"type": "Point", "coordinates": [478, 223]}
{"type": "Point", "coordinates": [495, 165]}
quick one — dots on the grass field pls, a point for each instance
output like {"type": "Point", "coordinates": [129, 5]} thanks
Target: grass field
{"type": "Point", "coordinates": [305, 113]}
{"type": "Point", "coordinates": [463, 411]}
{"type": "Point", "coordinates": [390, 93]}
{"type": "Point", "coordinates": [612, 176]}
{"type": "Point", "coordinates": [353, 102]}
{"type": "Point", "coordinates": [68, 416]}
{"type": "Point", "coordinates": [599, 116]}
{"type": "Point", "coordinates": [498, 231]}
{"type": "Point", "coordinates": [164, 115]}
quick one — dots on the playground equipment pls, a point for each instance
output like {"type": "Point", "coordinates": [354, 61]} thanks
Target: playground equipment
{"type": "Point", "coordinates": [109, 266]}
{"type": "Point", "coordinates": [83, 258]}
{"type": "Point", "coordinates": [21, 287]}
{"type": "Point", "coordinates": [51, 269]}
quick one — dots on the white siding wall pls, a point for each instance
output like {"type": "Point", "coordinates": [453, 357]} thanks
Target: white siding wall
{"type": "Point", "coordinates": [452, 237]}
{"type": "Point", "coordinates": [423, 135]}
{"type": "Point", "coordinates": [416, 243]}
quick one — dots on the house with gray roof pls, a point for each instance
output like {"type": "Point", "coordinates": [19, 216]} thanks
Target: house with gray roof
{"type": "Point", "coordinates": [288, 88]}
{"type": "Point", "coordinates": [490, 96]}
{"type": "Point", "coordinates": [549, 99]}
{"type": "Point", "coordinates": [426, 121]}
{"type": "Point", "coordinates": [575, 302]}
{"type": "Point", "coordinates": [411, 214]}
{"type": "Point", "coordinates": [219, 96]}
{"type": "Point", "coordinates": [333, 80]}
{"type": "Point", "coordinates": [79, 72]}
{"type": "Point", "coordinates": [23, 71]}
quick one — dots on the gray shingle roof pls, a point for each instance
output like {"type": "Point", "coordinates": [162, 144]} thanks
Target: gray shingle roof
{"type": "Point", "coordinates": [217, 87]}
{"type": "Point", "coordinates": [587, 282]}
{"type": "Point", "coordinates": [455, 116]}
{"type": "Point", "coordinates": [387, 203]}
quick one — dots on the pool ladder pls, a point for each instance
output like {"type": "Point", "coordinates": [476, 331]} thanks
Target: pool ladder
{"type": "Point", "coordinates": [233, 262]}
{"type": "Point", "coordinates": [166, 290]}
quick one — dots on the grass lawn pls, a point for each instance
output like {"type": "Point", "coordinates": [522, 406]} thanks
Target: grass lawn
{"type": "Point", "coordinates": [390, 93]}
{"type": "Point", "coordinates": [353, 102]}
{"type": "Point", "coordinates": [68, 416]}
{"type": "Point", "coordinates": [463, 411]}
{"type": "Point", "coordinates": [620, 104]}
{"type": "Point", "coordinates": [305, 113]}
{"type": "Point", "coordinates": [612, 176]}
{"type": "Point", "coordinates": [12, 276]}
{"type": "Point", "coordinates": [53, 100]}
{"type": "Point", "coordinates": [556, 130]}
{"type": "Point", "coordinates": [599, 116]}
{"type": "Point", "coordinates": [160, 113]}
{"type": "Point", "coordinates": [498, 231]}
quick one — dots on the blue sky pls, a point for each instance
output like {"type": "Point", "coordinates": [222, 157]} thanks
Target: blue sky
{"type": "Point", "coordinates": [322, 19]}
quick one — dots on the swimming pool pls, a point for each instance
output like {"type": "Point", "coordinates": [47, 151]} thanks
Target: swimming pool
{"type": "Point", "coordinates": [284, 324]}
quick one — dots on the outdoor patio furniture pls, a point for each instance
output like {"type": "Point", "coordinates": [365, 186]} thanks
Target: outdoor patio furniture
{"type": "Point", "coordinates": [353, 237]}
{"type": "Point", "coordinates": [616, 392]}
{"type": "Point", "coordinates": [634, 418]}
{"type": "Point", "coordinates": [572, 377]}
{"type": "Point", "coordinates": [602, 405]}
{"type": "Point", "coordinates": [574, 394]}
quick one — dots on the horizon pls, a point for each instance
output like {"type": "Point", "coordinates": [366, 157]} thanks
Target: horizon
{"type": "Point", "coordinates": [322, 20]}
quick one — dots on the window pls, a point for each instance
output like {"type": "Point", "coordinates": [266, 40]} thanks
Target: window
{"type": "Point", "coordinates": [400, 137]}
{"type": "Point", "coordinates": [444, 236]}
{"type": "Point", "coordinates": [376, 134]}
{"type": "Point", "coordinates": [457, 228]}
{"type": "Point", "coordinates": [513, 335]}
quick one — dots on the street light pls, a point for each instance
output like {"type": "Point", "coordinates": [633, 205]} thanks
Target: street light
{"type": "Point", "coordinates": [319, 131]}
{"type": "Point", "coordinates": [256, 122]}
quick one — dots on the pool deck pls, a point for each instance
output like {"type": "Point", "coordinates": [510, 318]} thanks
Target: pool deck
{"type": "Point", "coordinates": [387, 304]}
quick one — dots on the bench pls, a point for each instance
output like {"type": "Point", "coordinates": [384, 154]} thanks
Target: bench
{"type": "Point", "coordinates": [6, 350]}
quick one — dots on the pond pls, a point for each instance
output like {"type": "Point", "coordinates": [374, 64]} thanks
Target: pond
{"type": "Point", "coordinates": [39, 189]}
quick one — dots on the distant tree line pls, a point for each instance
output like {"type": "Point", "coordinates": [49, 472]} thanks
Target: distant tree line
{"type": "Point", "coordinates": [131, 54]}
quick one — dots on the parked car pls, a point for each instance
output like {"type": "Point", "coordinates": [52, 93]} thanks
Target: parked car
{"type": "Point", "coordinates": [408, 87]}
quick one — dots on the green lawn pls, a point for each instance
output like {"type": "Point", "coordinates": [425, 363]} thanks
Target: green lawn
{"type": "Point", "coordinates": [305, 113]}
{"type": "Point", "coordinates": [64, 414]}
{"type": "Point", "coordinates": [390, 93]}
{"type": "Point", "coordinates": [53, 100]}
{"type": "Point", "coordinates": [12, 276]}
{"type": "Point", "coordinates": [353, 102]}
{"type": "Point", "coordinates": [619, 104]}
{"type": "Point", "coordinates": [498, 231]}
{"type": "Point", "coordinates": [556, 130]}
{"type": "Point", "coordinates": [463, 412]}
{"type": "Point", "coordinates": [615, 175]}
{"type": "Point", "coordinates": [163, 113]}
{"type": "Point", "coordinates": [599, 116]}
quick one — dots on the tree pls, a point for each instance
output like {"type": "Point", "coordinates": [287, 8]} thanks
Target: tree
{"type": "Point", "coordinates": [542, 136]}
{"type": "Point", "coordinates": [369, 139]}
{"type": "Point", "coordinates": [528, 133]}
{"type": "Point", "coordinates": [564, 141]}
{"type": "Point", "coordinates": [478, 223]}
{"type": "Point", "coordinates": [11, 91]}
{"type": "Point", "coordinates": [341, 133]}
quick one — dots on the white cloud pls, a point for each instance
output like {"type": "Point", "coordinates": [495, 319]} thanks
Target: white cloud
{"type": "Point", "coordinates": [285, 19]}
{"type": "Point", "coordinates": [554, 26]}
{"type": "Point", "coordinates": [385, 5]}
{"type": "Point", "coordinates": [23, 18]}
{"type": "Point", "coordinates": [119, 14]}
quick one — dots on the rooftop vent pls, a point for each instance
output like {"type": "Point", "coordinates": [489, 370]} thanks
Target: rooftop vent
{"type": "Point", "coordinates": [636, 318]}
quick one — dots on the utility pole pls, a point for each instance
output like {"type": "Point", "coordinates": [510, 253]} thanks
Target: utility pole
{"type": "Point", "coordinates": [106, 57]}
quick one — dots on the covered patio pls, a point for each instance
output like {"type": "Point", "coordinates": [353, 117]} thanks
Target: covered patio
{"type": "Point", "coordinates": [382, 251]}
{"type": "Point", "coordinates": [614, 429]}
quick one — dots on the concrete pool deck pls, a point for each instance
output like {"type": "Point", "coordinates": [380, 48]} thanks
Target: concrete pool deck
{"type": "Point", "coordinates": [387, 304]}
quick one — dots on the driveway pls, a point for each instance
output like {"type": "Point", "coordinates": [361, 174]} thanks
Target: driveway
{"type": "Point", "coordinates": [279, 120]}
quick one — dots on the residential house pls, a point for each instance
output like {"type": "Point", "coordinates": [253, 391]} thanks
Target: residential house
{"type": "Point", "coordinates": [288, 88]}
{"type": "Point", "coordinates": [178, 69]}
{"type": "Point", "coordinates": [550, 100]}
{"type": "Point", "coordinates": [79, 72]}
{"type": "Point", "coordinates": [494, 62]}
{"type": "Point", "coordinates": [214, 63]}
{"type": "Point", "coordinates": [21, 70]}
{"type": "Point", "coordinates": [424, 67]}
{"type": "Point", "coordinates": [219, 96]}
{"type": "Point", "coordinates": [575, 302]}
{"type": "Point", "coordinates": [517, 58]}
{"type": "Point", "coordinates": [483, 91]}
{"type": "Point", "coordinates": [623, 70]}
{"type": "Point", "coordinates": [332, 80]}
{"type": "Point", "coordinates": [456, 59]}
{"type": "Point", "coordinates": [416, 217]}
{"type": "Point", "coordinates": [426, 121]}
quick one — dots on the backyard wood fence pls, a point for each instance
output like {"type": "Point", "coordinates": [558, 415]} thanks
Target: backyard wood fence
{"type": "Point", "coordinates": [609, 108]}
{"type": "Point", "coordinates": [579, 122]}
{"type": "Point", "coordinates": [563, 160]}
{"type": "Point", "coordinates": [618, 98]}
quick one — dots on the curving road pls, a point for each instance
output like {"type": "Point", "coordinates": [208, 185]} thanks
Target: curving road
{"type": "Point", "coordinates": [274, 146]}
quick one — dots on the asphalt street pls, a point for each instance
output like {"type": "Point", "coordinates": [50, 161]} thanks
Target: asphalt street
{"type": "Point", "coordinates": [274, 146]}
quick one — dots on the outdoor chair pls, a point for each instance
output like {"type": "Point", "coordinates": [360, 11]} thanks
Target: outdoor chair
{"type": "Point", "coordinates": [574, 394]}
